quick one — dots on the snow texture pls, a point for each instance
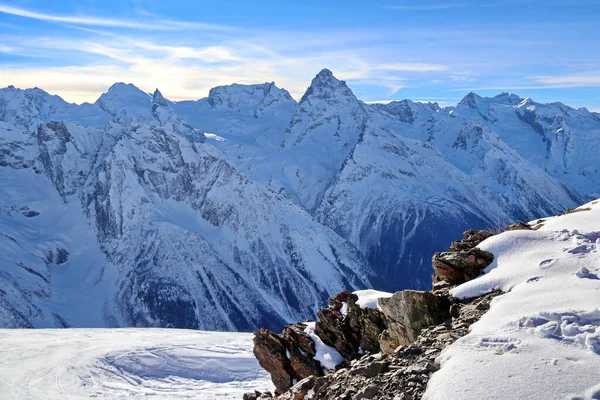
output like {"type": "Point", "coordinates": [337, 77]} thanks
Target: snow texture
{"type": "Point", "coordinates": [328, 356]}
{"type": "Point", "coordinates": [542, 338]}
{"type": "Point", "coordinates": [127, 363]}
{"type": "Point", "coordinates": [369, 298]}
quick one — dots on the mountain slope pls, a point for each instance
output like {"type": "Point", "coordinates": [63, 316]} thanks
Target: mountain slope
{"type": "Point", "coordinates": [179, 237]}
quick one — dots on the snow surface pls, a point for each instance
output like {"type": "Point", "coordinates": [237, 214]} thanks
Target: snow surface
{"type": "Point", "coordinates": [328, 356]}
{"type": "Point", "coordinates": [132, 363]}
{"type": "Point", "coordinates": [540, 340]}
{"type": "Point", "coordinates": [368, 298]}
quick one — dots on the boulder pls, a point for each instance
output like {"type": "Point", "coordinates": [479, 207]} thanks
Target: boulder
{"type": "Point", "coordinates": [408, 312]}
{"type": "Point", "coordinates": [457, 267]}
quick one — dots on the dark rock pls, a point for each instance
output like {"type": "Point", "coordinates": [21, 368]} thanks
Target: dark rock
{"type": "Point", "coordinates": [457, 267]}
{"type": "Point", "coordinates": [270, 351]}
{"type": "Point", "coordinates": [409, 312]}
{"type": "Point", "coordinates": [251, 396]}
{"type": "Point", "coordinates": [367, 393]}
{"type": "Point", "coordinates": [358, 329]}
{"type": "Point", "coordinates": [454, 311]}
{"type": "Point", "coordinates": [471, 239]}
{"type": "Point", "coordinates": [519, 226]}
{"type": "Point", "coordinates": [371, 370]}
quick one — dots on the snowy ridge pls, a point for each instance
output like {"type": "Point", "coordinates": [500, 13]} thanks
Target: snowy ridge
{"type": "Point", "coordinates": [395, 181]}
{"type": "Point", "coordinates": [186, 240]}
{"type": "Point", "coordinates": [546, 325]}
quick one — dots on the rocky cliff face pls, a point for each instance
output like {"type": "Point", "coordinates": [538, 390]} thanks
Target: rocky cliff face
{"type": "Point", "coordinates": [386, 352]}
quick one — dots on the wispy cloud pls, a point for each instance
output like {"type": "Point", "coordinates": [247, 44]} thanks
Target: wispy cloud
{"type": "Point", "coordinates": [412, 67]}
{"type": "Point", "coordinates": [426, 7]}
{"type": "Point", "coordinates": [566, 81]}
{"type": "Point", "coordinates": [158, 25]}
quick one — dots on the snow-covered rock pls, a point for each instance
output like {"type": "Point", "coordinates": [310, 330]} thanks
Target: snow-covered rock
{"type": "Point", "coordinates": [546, 325]}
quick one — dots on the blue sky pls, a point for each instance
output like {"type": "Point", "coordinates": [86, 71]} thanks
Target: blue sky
{"type": "Point", "coordinates": [385, 49]}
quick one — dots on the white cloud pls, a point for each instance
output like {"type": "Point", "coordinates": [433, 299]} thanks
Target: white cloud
{"type": "Point", "coordinates": [416, 67]}
{"type": "Point", "coordinates": [159, 24]}
{"type": "Point", "coordinates": [566, 81]}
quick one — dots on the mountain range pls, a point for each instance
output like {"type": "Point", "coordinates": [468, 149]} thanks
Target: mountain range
{"type": "Point", "coordinates": [247, 208]}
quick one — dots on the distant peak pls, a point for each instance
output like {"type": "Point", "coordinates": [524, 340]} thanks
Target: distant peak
{"type": "Point", "coordinates": [324, 84]}
{"type": "Point", "coordinates": [158, 98]}
{"type": "Point", "coordinates": [507, 98]}
{"type": "Point", "coordinates": [325, 73]}
{"type": "Point", "coordinates": [470, 100]}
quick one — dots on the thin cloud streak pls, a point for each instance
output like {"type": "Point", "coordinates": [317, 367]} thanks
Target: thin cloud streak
{"type": "Point", "coordinates": [429, 7]}
{"type": "Point", "coordinates": [567, 81]}
{"type": "Point", "coordinates": [166, 25]}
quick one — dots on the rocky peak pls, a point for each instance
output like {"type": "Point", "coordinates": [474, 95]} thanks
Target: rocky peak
{"type": "Point", "coordinates": [326, 86]}
{"type": "Point", "coordinates": [471, 100]}
{"type": "Point", "coordinates": [158, 98]}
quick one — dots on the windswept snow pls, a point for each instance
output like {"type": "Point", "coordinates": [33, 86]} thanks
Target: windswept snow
{"type": "Point", "coordinates": [133, 363]}
{"type": "Point", "coordinates": [369, 298]}
{"type": "Point", "coordinates": [541, 340]}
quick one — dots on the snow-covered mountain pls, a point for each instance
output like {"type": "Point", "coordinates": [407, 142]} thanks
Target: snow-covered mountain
{"type": "Point", "coordinates": [146, 225]}
{"type": "Point", "coordinates": [137, 210]}
{"type": "Point", "coordinates": [400, 180]}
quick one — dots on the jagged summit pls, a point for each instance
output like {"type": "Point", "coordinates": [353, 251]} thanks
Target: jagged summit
{"type": "Point", "coordinates": [471, 100]}
{"type": "Point", "coordinates": [325, 85]}
{"type": "Point", "coordinates": [158, 98]}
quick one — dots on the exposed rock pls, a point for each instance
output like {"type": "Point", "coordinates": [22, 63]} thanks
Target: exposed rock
{"type": "Point", "coordinates": [574, 210]}
{"type": "Point", "coordinates": [270, 351]}
{"type": "Point", "coordinates": [472, 238]}
{"type": "Point", "coordinates": [290, 355]}
{"type": "Point", "coordinates": [409, 312]}
{"type": "Point", "coordinates": [402, 374]}
{"type": "Point", "coordinates": [519, 226]}
{"type": "Point", "coordinates": [400, 343]}
{"type": "Point", "coordinates": [358, 329]}
{"type": "Point", "coordinates": [460, 266]}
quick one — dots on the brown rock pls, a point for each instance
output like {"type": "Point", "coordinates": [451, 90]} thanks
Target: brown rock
{"type": "Point", "coordinates": [471, 239]}
{"type": "Point", "coordinates": [519, 226]}
{"type": "Point", "coordinates": [301, 351]}
{"type": "Point", "coordinates": [359, 328]}
{"type": "Point", "coordinates": [270, 351]}
{"type": "Point", "coordinates": [456, 267]}
{"type": "Point", "coordinates": [409, 312]}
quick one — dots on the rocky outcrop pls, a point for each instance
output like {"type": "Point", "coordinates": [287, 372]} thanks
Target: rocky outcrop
{"type": "Point", "coordinates": [387, 352]}
{"type": "Point", "coordinates": [408, 312]}
{"type": "Point", "coordinates": [463, 261]}
{"type": "Point", "coordinates": [401, 374]}
{"type": "Point", "coordinates": [354, 330]}
{"type": "Point", "coordinates": [519, 226]}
